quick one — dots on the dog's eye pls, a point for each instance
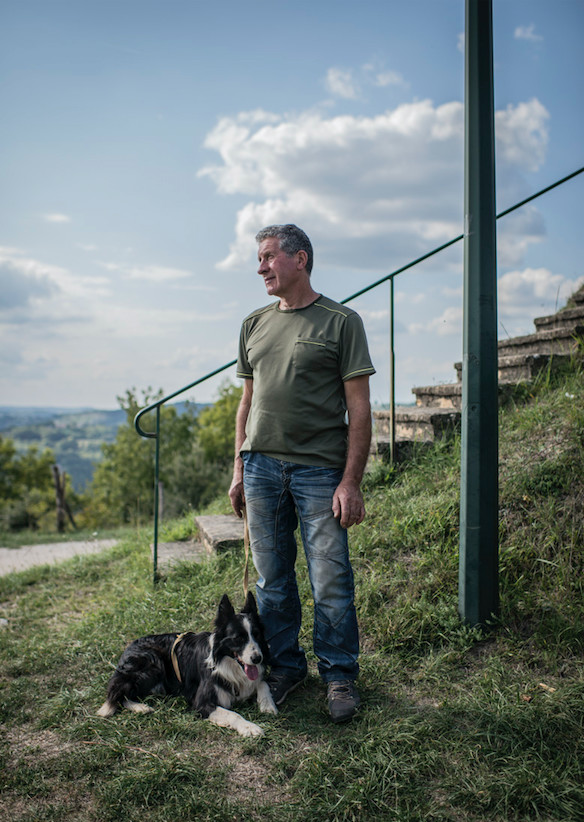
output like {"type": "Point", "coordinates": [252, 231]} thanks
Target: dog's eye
{"type": "Point", "coordinates": [240, 638]}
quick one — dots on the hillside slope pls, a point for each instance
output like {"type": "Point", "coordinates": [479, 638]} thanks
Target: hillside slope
{"type": "Point", "coordinates": [457, 724]}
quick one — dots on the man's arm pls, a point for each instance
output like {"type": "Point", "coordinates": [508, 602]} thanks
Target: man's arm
{"type": "Point", "coordinates": [348, 503]}
{"type": "Point", "coordinates": [236, 494]}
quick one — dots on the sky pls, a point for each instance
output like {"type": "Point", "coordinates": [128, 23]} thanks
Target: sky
{"type": "Point", "coordinates": [145, 142]}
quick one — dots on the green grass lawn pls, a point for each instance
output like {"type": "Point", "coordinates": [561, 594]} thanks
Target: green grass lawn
{"type": "Point", "coordinates": [457, 723]}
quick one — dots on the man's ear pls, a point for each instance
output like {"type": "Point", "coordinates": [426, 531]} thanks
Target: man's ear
{"type": "Point", "coordinates": [302, 259]}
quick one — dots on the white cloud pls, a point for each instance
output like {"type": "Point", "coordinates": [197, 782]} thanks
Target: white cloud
{"type": "Point", "coordinates": [461, 42]}
{"type": "Point", "coordinates": [149, 273]}
{"type": "Point", "coordinates": [91, 336]}
{"type": "Point", "coordinates": [388, 78]}
{"type": "Point", "coordinates": [56, 218]}
{"type": "Point", "coordinates": [33, 289]}
{"type": "Point", "coordinates": [448, 323]}
{"type": "Point", "coordinates": [343, 83]}
{"type": "Point", "coordinates": [516, 232]}
{"type": "Point", "coordinates": [340, 83]}
{"type": "Point", "coordinates": [377, 75]}
{"type": "Point", "coordinates": [527, 33]}
{"type": "Point", "coordinates": [136, 322]}
{"type": "Point", "coordinates": [367, 186]}
{"type": "Point", "coordinates": [522, 134]}
{"type": "Point", "coordinates": [21, 287]}
{"type": "Point", "coordinates": [522, 293]}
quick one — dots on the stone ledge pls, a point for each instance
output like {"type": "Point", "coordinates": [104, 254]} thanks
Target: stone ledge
{"type": "Point", "coordinates": [220, 532]}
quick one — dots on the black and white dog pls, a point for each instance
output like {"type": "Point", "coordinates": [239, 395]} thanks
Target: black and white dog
{"type": "Point", "coordinates": [211, 670]}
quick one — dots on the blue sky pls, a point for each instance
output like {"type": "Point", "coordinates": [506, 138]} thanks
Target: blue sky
{"type": "Point", "coordinates": [144, 142]}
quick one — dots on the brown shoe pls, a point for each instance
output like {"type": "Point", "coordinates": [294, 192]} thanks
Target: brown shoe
{"type": "Point", "coordinates": [343, 699]}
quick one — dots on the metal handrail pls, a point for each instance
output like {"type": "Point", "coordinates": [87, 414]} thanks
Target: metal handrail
{"type": "Point", "coordinates": [155, 406]}
{"type": "Point", "coordinates": [155, 435]}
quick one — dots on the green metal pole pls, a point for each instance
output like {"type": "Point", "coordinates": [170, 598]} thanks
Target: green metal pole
{"type": "Point", "coordinates": [156, 497]}
{"type": "Point", "coordinates": [391, 374]}
{"type": "Point", "coordinates": [478, 565]}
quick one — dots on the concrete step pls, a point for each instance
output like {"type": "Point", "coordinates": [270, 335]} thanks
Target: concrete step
{"type": "Point", "coordinates": [522, 367]}
{"type": "Point", "coordinates": [220, 532]}
{"type": "Point", "coordinates": [552, 341]}
{"type": "Point", "coordinates": [417, 424]}
{"type": "Point", "coordinates": [438, 407]}
{"type": "Point", "coordinates": [447, 395]}
{"type": "Point", "coordinates": [450, 395]}
{"type": "Point", "coordinates": [568, 318]}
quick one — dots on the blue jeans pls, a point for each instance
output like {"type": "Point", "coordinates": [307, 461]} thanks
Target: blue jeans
{"type": "Point", "coordinates": [279, 494]}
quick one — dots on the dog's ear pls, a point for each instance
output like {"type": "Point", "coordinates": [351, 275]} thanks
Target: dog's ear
{"type": "Point", "coordinates": [250, 604]}
{"type": "Point", "coordinates": [225, 611]}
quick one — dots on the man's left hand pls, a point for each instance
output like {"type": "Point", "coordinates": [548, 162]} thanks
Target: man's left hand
{"type": "Point", "coordinates": [348, 505]}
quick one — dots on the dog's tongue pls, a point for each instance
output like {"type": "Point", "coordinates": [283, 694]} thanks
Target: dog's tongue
{"type": "Point", "coordinates": [251, 671]}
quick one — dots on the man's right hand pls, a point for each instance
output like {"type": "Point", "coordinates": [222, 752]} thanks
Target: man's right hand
{"type": "Point", "coordinates": [237, 496]}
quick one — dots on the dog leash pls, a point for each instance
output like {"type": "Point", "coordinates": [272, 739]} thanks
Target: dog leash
{"type": "Point", "coordinates": [179, 638]}
{"type": "Point", "coordinates": [246, 545]}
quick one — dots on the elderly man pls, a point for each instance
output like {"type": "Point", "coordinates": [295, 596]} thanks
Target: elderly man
{"type": "Point", "coordinates": [306, 367]}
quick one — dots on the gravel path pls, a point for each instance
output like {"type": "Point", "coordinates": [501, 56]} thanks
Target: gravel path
{"type": "Point", "coordinates": [19, 559]}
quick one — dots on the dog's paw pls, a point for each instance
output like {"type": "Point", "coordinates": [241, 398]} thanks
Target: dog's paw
{"type": "Point", "coordinates": [107, 710]}
{"type": "Point", "coordinates": [250, 729]}
{"type": "Point", "coordinates": [266, 702]}
{"type": "Point", "coordinates": [268, 707]}
{"type": "Point", "coordinates": [137, 707]}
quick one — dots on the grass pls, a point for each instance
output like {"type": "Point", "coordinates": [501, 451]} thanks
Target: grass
{"type": "Point", "coordinates": [458, 724]}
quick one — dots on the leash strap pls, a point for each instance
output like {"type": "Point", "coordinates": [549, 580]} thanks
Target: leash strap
{"type": "Point", "coordinates": [179, 638]}
{"type": "Point", "coordinates": [246, 545]}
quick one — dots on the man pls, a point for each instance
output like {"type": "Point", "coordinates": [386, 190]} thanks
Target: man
{"type": "Point", "coordinates": [306, 366]}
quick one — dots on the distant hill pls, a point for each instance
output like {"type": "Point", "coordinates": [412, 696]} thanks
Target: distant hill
{"type": "Point", "coordinates": [75, 435]}
{"type": "Point", "coordinates": [12, 415]}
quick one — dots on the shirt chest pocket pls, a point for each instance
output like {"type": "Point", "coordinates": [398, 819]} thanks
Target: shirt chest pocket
{"type": "Point", "coordinates": [311, 354]}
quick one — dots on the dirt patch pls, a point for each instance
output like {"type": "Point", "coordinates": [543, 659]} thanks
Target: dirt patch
{"type": "Point", "coordinates": [26, 744]}
{"type": "Point", "coordinates": [249, 778]}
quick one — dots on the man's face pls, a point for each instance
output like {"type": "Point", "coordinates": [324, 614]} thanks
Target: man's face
{"type": "Point", "coordinates": [280, 272]}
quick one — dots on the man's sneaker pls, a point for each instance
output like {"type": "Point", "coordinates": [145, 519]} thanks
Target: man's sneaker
{"type": "Point", "coordinates": [281, 684]}
{"type": "Point", "coordinates": [343, 699]}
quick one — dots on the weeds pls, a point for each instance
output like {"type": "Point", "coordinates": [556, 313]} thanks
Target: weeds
{"type": "Point", "coordinates": [457, 723]}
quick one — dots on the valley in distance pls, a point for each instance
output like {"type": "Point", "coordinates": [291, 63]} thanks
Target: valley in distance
{"type": "Point", "coordinates": [74, 435]}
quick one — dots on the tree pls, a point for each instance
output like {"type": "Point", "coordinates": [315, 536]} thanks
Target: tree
{"type": "Point", "coordinates": [8, 469]}
{"type": "Point", "coordinates": [26, 486]}
{"type": "Point", "coordinates": [196, 454]}
{"type": "Point", "coordinates": [123, 483]}
{"type": "Point", "coordinates": [217, 426]}
{"type": "Point", "coordinates": [63, 509]}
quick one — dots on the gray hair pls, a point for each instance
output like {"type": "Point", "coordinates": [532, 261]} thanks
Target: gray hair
{"type": "Point", "coordinates": [291, 239]}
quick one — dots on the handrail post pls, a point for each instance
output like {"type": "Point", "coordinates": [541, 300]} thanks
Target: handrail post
{"type": "Point", "coordinates": [478, 555]}
{"type": "Point", "coordinates": [391, 374]}
{"type": "Point", "coordinates": [156, 497]}
{"type": "Point", "coordinates": [155, 435]}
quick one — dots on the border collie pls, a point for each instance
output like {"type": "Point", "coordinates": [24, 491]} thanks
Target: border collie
{"type": "Point", "coordinates": [211, 670]}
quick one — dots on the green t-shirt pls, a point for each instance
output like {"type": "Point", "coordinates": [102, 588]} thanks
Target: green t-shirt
{"type": "Point", "coordinates": [298, 360]}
